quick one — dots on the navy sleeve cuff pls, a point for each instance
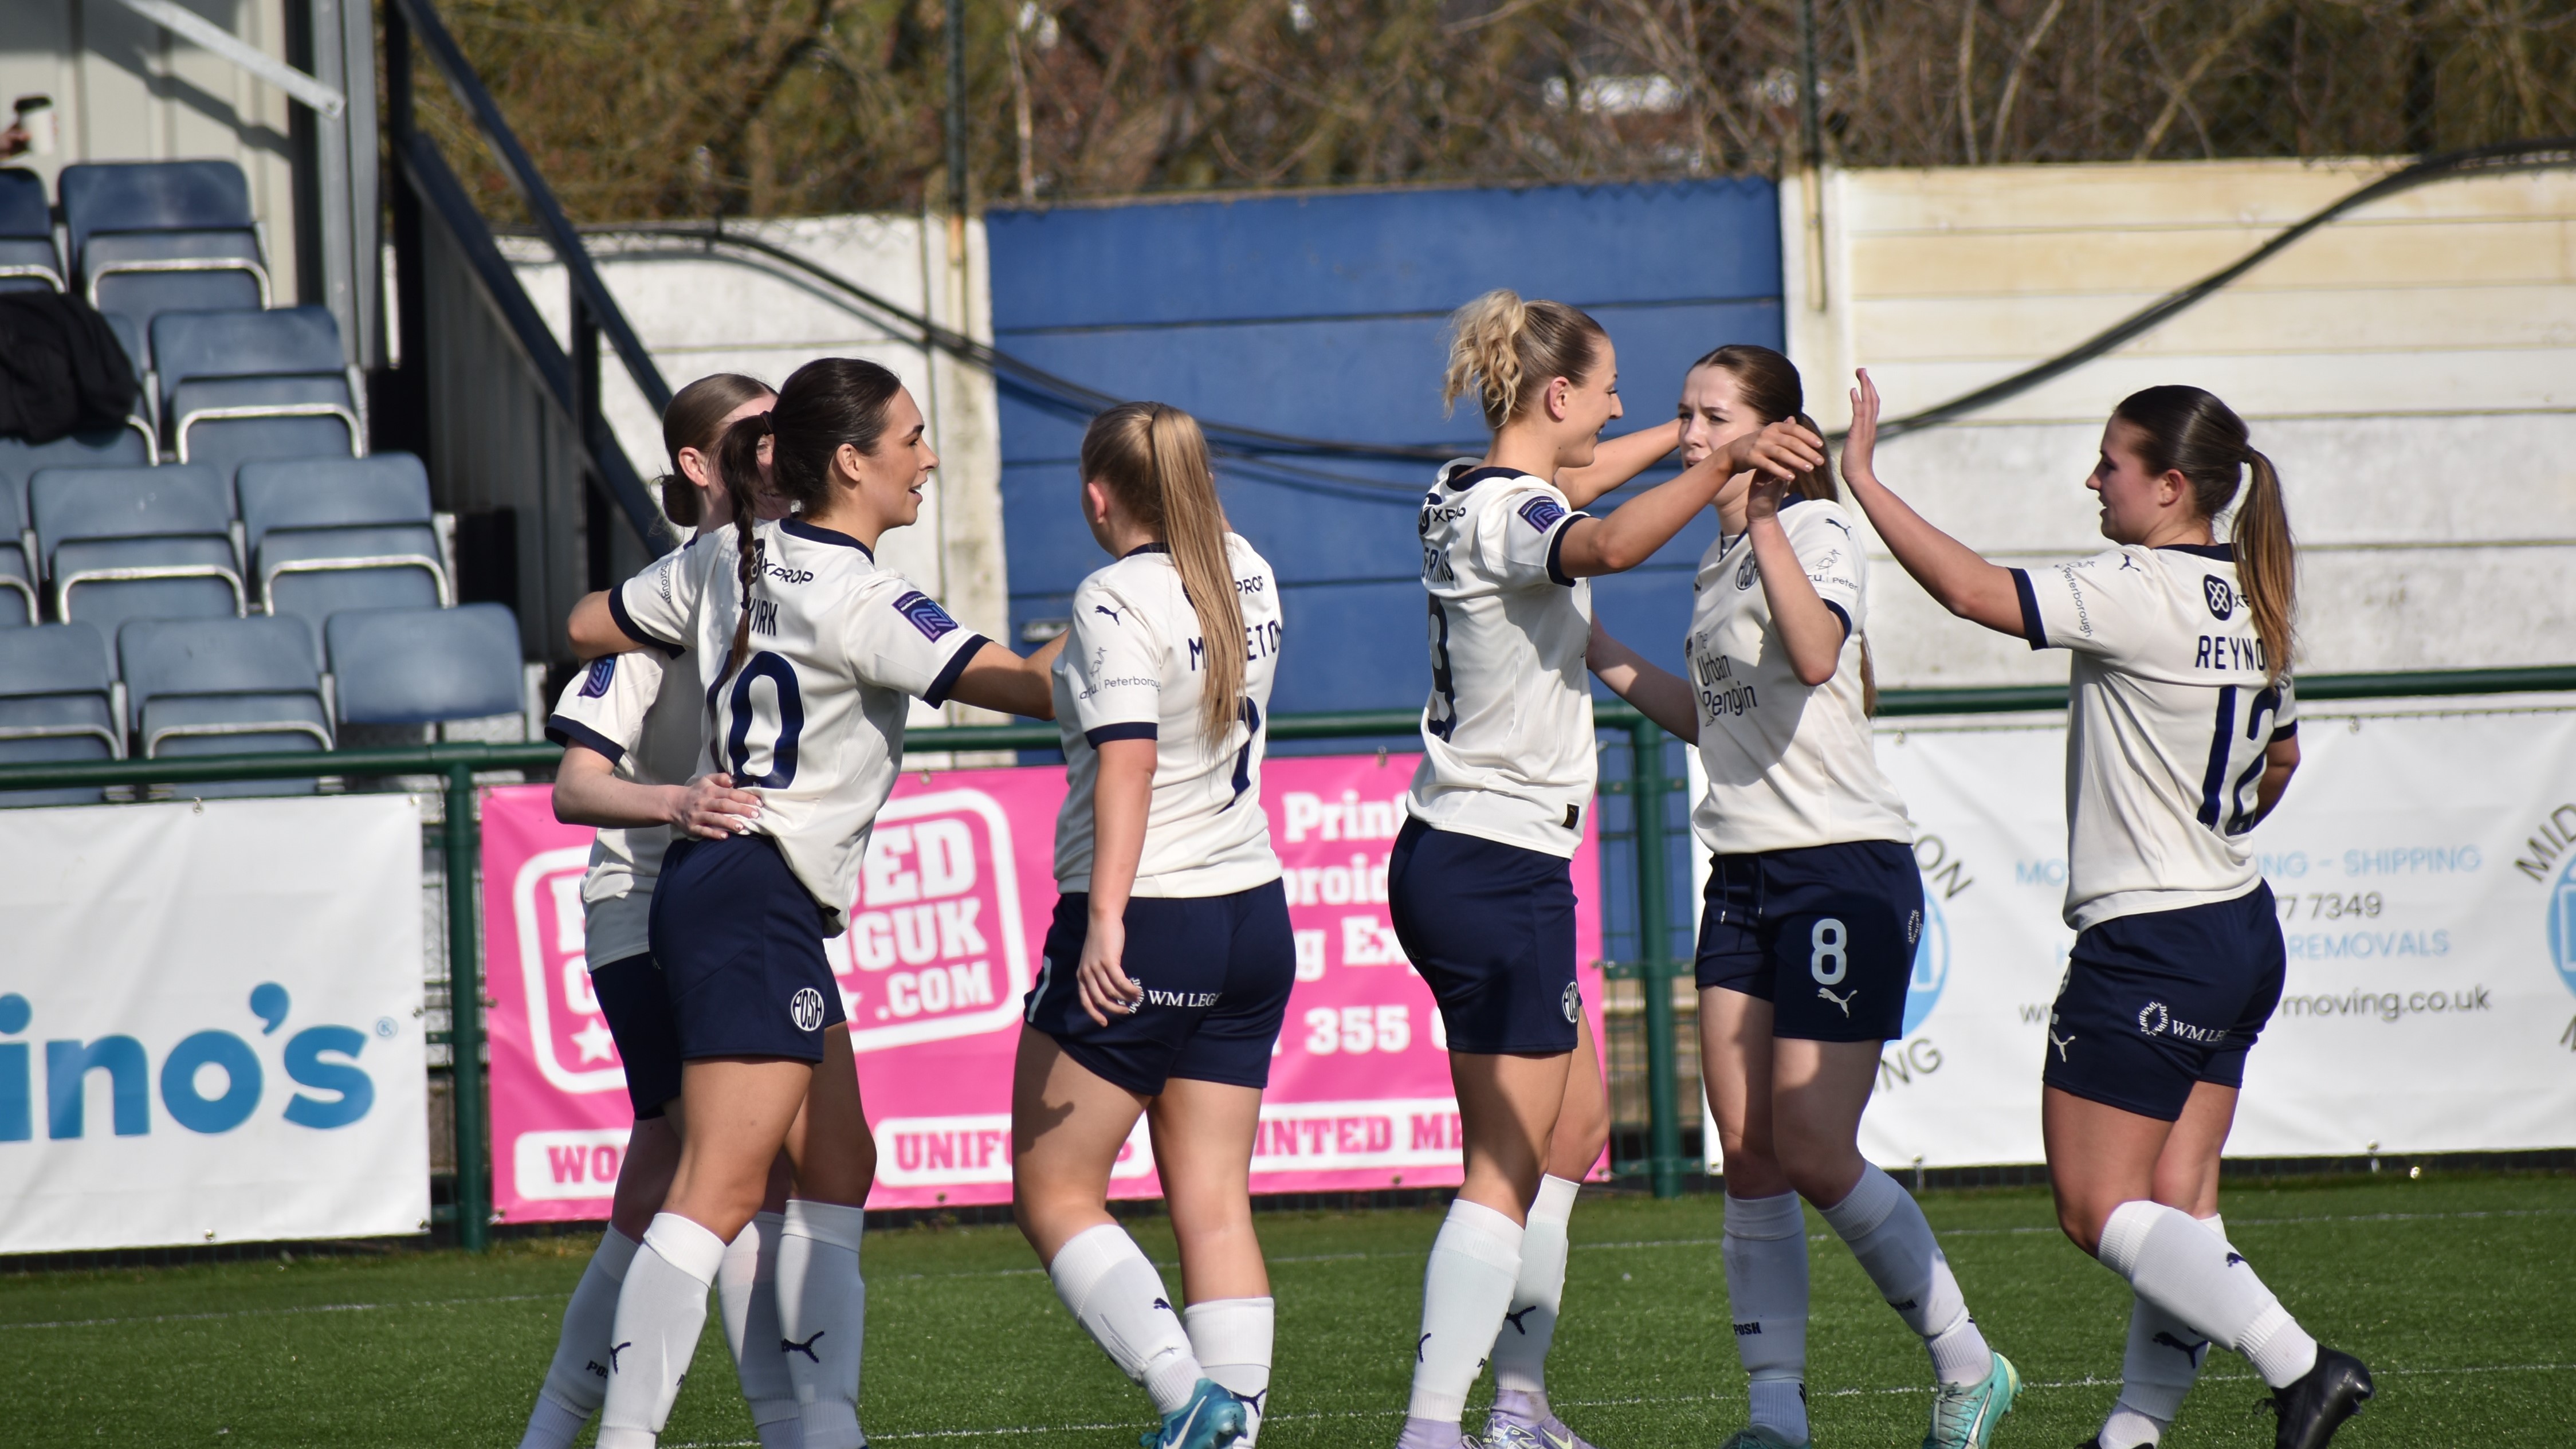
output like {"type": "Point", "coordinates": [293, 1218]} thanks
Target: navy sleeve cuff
{"type": "Point", "coordinates": [1839, 614]}
{"type": "Point", "coordinates": [937, 694]}
{"type": "Point", "coordinates": [568, 732]}
{"type": "Point", "coordinates": [1556, 549]}
{"type": "Point", "coordinates": [2288, 731]}
{"type": "Point", "coordinates": [1141, 730]}
{"type": "Point", "coordinates": [2031, 628]}
{"type": "Point", "coordinates": [626, 621]}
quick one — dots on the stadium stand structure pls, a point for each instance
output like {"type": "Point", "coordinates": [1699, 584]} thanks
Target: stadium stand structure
{"type": "Point", "coordinates": [171, 587]}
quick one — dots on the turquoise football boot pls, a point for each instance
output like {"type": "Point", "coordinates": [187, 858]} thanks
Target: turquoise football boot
{"type": "Point", "coordinates": [1964, 1416]}
{"type": "Point", "coordinates": [1212, 1419]}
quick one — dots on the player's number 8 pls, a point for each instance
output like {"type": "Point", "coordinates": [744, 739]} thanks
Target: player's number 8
{"type": "Point", "coordinates": [1828, 964]}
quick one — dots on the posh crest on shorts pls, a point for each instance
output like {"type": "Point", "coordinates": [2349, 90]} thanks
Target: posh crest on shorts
{"type": "Point", "coordinates": [813, 718]}
{"type": "Point", "coordinates": [1507, 749]}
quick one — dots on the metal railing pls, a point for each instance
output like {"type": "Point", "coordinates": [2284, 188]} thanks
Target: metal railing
{"type": "Point", "coordinates": [1647, 842]}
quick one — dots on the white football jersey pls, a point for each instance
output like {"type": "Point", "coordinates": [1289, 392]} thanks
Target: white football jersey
{"type": "Point", "coordinates": [1133, 671]}
{"type": "Point", "coordinates": [1788, 766]}
{"type": "Point", "coordinates": [813, 719]}
{"type": "Point", "coordinates": [643, 713]}
{"type": "Point", "coordinates": [2166, 730]}
{"type": "Point", "coordinates": [1507, 750]}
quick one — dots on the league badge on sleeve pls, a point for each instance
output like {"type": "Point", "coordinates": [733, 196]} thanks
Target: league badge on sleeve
{"type": "Point", "coordinates": [1542, 512]}
{"type": "Point", "coordinates": [926, 615]}
{"type": "Point", "coordinates": [594, 683]}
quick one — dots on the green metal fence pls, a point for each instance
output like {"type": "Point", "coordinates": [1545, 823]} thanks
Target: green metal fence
{"type": "Point", "coordinates": [1651, 788]}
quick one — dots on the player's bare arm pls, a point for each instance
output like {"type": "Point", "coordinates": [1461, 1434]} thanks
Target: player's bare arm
{"type": "Point", "coordinates": [1812, 632]}
{"type": "Point", "coordinates": [1659, 694]}
{"type": "Point", "coordinates": [593, 629]}
{"type": "Point", "coordinates": [1630, 535]}
{"type": "Point", "coordinates": [998, 679]}
{"type": "Point", "coordinates": [1955, 575]}
{"type": "Point", "coordinates": [589, 791]}
{"type": "Point", "coordinates": [1616, 461]}
{"type": "Point", "coordinates": [2280, 761]}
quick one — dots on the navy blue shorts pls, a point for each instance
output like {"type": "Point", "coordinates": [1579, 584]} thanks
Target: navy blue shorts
{"type": "Point", "coordinates": [637, 1002]}
{"type": "Point", "coordinates": [741, 947]}
{"type": "Point", "coordinates": [2156, 1002]}
{"type": "Point", "coordinates": [1825, 933]}
{"type": "Point", "coordinates": [1491, 928]}
{"type": "Point", "coordinates": [1217, 972]}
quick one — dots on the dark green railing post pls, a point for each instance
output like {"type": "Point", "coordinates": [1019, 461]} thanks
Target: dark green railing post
{"type": "Point", "coordinates": [465, 1012]}
{"type": "Point", "coordinates": [1654, 949]}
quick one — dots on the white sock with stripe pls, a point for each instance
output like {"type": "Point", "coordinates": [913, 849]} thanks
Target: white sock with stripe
{"type": "Point", "coordinates": [1113, 1291]}
{"type": "Point", "coordinates": [1765, 1250]}
{"type": "Point", "coordinates": [1886, 1230]}
{"type": "Point", "coordinates": [1475, 1261]}
{"type": "Point", "coordinates": [823, 1317]}
{"type": "Point", "coordinates": [2181, 1268]}
{"type": "Point", "coordinates": [1232, 1338]}
{"type": "Point", "coordinates": [747, 1295]}
{"type": "Point", "coordinates": [577, 1380]}
{"type": "Point", "coordinates": [660, 1311]}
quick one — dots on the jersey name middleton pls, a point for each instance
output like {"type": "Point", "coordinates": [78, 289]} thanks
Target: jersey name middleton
{"type": "Point", "coordinates": [813, 718]}
{"type": "Point", "coordinates": [2170, 717]}
{"type": "Point", "coordinates": [1507, 751]}
{"type": "Point", "coordinates": [642, 714]}
{"type": "Point", "coordinates": [1135, 670]}
{"type": "Point", "coordinates": [1789, 766]}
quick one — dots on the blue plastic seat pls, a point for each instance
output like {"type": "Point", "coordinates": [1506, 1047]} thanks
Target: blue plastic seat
{"type": "Point", "coordinates": [27, 259]}
{"type": "Point", "coordinates": [17, 561]}
{"type": "Point", "coordinates": [425, 666]}
{"type": "Point", "coordinates": [155, 236]}
{"type": "Point", "coordinates": [240, 387]}
{"type": "Point", "coordinates": [57, 702]}
{"type": "Point", "coordinates": [108, 448]}
{"type": "Point", "coordinates": [331, 534]}
{"type": "Point", "coordinates": [224, 687]}
{"type": "Point", "coordinates": [136, 543]}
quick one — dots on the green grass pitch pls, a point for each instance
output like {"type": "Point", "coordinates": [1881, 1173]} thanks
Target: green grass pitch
{"type": "Point", "coordinates": [2460, 1291]}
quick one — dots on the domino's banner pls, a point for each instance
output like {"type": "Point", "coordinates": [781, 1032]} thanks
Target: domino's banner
{"type": "Point", "coordinates": [210, 1023]}
{"type": "Point", "coordinates": [2425, 871]}
{"type": "Point", "coordinates": [946, 938]}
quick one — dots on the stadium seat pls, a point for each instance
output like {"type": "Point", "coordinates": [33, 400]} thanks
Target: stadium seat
{"type": "Point", "coordinates": [238, 387]}
{"type": "Point", "coordinates": [57, 702]}
{"type": "Point", "coordinates": [28, 262]}
{"type": "Point", "coordinates": [149, 237]}
{"type": "Point", "coordinates": [224, 687]}
{"type": "Point", "coordinates": [136, 543]}
{"type": "Point", "coordinates": [17, 561]}
{"type": "Point", "coordinates": [426, 666]}
{"type": "Point", "coordinates": [126, 447]}
{"type": "Point", "coordinates": [328, 534]}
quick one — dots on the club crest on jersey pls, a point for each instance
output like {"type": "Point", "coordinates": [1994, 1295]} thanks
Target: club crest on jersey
{"type": "Point", "coordinates": [2222, 598]}
{"type": "Point", "coordinates": [1572, 1002]}
{"type": "Point", "coordinates": [805, 1008]}
{"type": "Point", "coordinates": [926, 615]}
{"type": "Point", "coordinates": [1745, 573]}
{"type": "Point", "coordinates": [1542, 512]}
{"type": "Point", "coordinates": [594, 683]}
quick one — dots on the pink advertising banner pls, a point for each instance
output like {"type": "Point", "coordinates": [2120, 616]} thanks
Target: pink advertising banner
{"type": "Point", "coordinates": [945, 940]}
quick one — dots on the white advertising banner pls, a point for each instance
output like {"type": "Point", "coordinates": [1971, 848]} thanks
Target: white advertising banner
{"type": "Point", "coordinates": [210, 1023]}
{"type": "Point", "coordinates": [2425, 869]}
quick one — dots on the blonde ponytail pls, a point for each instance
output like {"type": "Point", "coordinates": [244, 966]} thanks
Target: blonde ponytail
{"type": "Point", "coordinates": [1499, 346]}
{"type": "Point", "coordinates": [1154, 460]}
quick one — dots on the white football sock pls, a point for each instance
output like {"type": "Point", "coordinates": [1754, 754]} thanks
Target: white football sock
{"type": "Point", "coordinates": [1117, 1296]}
{"type": "Point", "coordinates": [577, 1380]}
{"type": "Point", "coordinates": [1466, 1290]}
{"type": "Point", "coordinates": [823, 1317]}
{"type": "Point", "coordinates": [2163, 1358]}
{"type": "Point", "coordinates": [1231, 1338]}
{"type": "Point", "coordinates": [1529, 1324]}
{"type": "Point", "coordinates": [2176, 1264]}
{"type": "Point", "coordinates": [747, 1295]}
{"type": "Point", "coordinates": [1765, 1249]}
{"type": "Point", "coordinates": [1886, 1230]}
{"type": "Point", "coordinates": [660, 1310]}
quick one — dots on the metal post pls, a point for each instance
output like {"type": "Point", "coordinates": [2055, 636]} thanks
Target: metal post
{"type": "Point", "coordinates": [957, 108]}
{"type": "Point", "coordinates": [1654, 948]}
{"type": "Point", "coordinates": [465, 1013]}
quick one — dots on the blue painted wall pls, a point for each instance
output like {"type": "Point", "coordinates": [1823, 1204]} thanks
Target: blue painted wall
{"type": "Point", "coordinates": [1322, 316]}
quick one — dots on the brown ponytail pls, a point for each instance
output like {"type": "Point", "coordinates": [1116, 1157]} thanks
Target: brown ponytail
{"type": "Point", "coordinates": [738, 468]}
{"type": "Point", "coordinates": [1501, 347]}
{"type": "Point", "coordinates": [1770, 386]}
{"type": "Point", "coordinates": [1154, 460]}
{"type": "Point", "coordinates": [2187, 430]}
{"type": "Point", "coordinates": [691, 421]}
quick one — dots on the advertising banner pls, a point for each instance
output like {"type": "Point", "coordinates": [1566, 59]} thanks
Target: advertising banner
{"type": "Point", "coordinates": [945, 939]}
{"type": "Point", "coordinates": [210, 1023]}
{"type": "Point", "coordinates": [2429, 915]}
